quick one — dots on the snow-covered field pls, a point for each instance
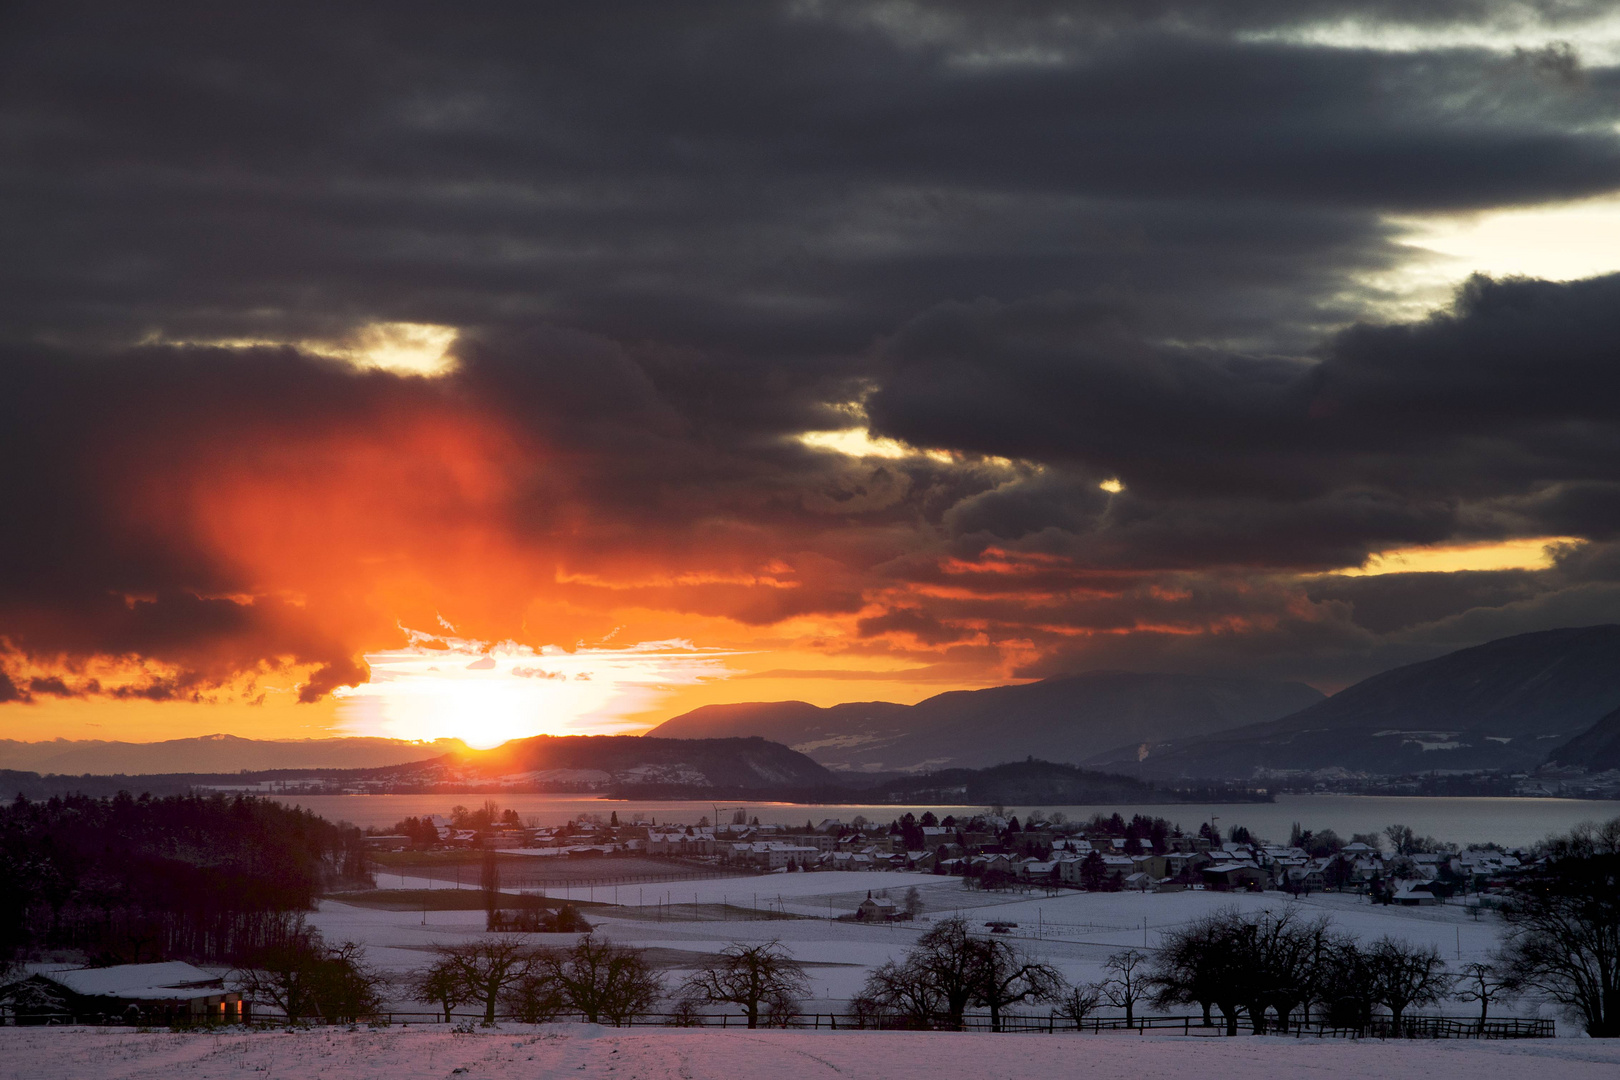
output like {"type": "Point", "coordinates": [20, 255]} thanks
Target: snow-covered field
{"type": "Point", "coordinates": [579, 1051]}
{"type": "Point", "coordinates": [1078, 931]}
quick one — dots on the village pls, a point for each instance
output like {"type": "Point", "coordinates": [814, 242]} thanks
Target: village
{"type": "Point", "coordinates": [993, 851]}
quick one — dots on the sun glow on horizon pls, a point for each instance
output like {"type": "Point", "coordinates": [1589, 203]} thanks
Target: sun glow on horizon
{"type": "Point", "coordinates": [487, 694]}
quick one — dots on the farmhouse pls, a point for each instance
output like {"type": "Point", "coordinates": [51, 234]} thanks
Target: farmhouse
{"type": "Point", "coordinates": [880, 909]}
{"type": "Point", "coordinates": [168, 993]}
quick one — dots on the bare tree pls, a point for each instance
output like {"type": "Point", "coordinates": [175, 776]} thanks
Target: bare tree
{"type": "Point", "coordinates": [1077, 1002]}
{"type": "Point", "coordinates": [534, 998]}
{"type": "Point", "coordinates": [1127, 982]}
{"type": "Point", "coordinates": [440, 983]}
{"type": "Point", "coordinates": [949, 960]}
{"type": "Point", "coordinates": [22, 997]}
{"type": "Point", "coordinates": [1288, 957]}
{"type": "Point", "coordinates": [897, 991]}
{"type": "Point", "coordinates": [1006, 976]}
{"type": "Point", "coordinates": [1404, 974]}
{"type": "Point", "coordinates": [1202, 963]}
{"type": "Point", "coordinates": [305, 978]}
{"type": "Point", "coordinates": [913, 902]}
{"type": "Point", "coordinates": [601, 979]}
{"type": "Point", "coordinates": [1563, 921]}
{"type": "Point", "coordinates": [485, 970]}
{"type": "Point", "coordinates": [758, 978]}
{"type": "Point", "coordinates": [1485, 983]}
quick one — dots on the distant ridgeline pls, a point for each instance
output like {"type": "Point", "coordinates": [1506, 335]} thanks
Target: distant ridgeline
{"type": "Point", "coordinates": [755, 769]}
{"type": "Point", "coordinates": [1036, 782]}
{"type": "Point", "coordinates": [129, 880]}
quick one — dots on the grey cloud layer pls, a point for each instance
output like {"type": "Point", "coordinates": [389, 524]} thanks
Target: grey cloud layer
{"type": "Point", "coordinates": [1102, 239]}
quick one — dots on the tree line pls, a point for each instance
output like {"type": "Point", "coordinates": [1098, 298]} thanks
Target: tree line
{"type": "Point", "coordinates": [507, 976]}
{"type": "Point", "coordinates": [129, 880]}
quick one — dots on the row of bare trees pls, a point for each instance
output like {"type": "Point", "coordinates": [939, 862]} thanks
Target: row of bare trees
{"type": "Point", "coordinates": [504, 975]}
{"type": "Point", "coordinates": [607, 983]}
{"type": "Point", "coordinates": [595, 978]}
{"type": "Point", "coordinates": [949, 971]}
{"type": "Point", "coordinates": [1266, 965]}
{"type": "Point", "coordinates": [1277, 964]}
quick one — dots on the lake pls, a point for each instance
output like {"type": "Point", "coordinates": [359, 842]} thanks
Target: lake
{"type": "Point", "coordinates": [1511, 822]}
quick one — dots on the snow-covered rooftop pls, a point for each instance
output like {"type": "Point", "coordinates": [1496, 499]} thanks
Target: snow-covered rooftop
{"type": "Point", "coordinates": [144, 981]}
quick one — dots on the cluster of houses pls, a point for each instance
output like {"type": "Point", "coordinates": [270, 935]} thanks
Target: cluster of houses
{"type": "Point", "coordinates": [995, 852]}
{"type": "Point", "coordinates": [1193, 862]}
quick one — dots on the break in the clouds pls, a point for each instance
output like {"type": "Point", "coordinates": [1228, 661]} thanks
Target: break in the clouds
{"type": "Point", "coordinates": [858, 339]}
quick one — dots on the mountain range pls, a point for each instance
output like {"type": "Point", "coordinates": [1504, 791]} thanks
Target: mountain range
{"type": "Point", "coordinates": [1507, 704]}
{"type": "Point", "coordinates": [1511, 704]}
{"type": "Point", "coordinates": [1098, 715]}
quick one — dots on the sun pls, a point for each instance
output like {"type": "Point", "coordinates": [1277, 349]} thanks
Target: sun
{"type": "Point", "coordinates": [487, 694]}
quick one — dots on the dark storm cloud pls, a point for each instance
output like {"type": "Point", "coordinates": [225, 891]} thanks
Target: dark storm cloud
{"type": "Point", "coordinates": [1100, 239]}
{"type": "Point", "coordinates": [751, 180]}
{"type": "Point", "coordinates": [1389, 602]}
{"type": "Point", "coordinates": [1500, 410]}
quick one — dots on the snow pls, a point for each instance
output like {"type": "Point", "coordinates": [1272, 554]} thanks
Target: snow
{"type": "Point", "coordinates": [1077, 931]}
{"type": "Point", "coordinates": [135, 981]}
{"type": "Point", "coordinates": [586, 1052]}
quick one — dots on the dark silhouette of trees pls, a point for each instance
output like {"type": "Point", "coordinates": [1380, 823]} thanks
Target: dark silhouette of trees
{"type": "Point", "coordinates": [1093, 871]}
{"type": "Point", "coordinates": [439, 983]}
{"type": "Point", "coordinates": [535, 997]}
{"type": "Point", "coordinates": [1485, 983]}
{"type": "Point", "coordinates": [1263, 964]}
{"type": "Point", "coordinates": [1202, 964]}
{"type": "Point", "coordinates": [535, 920]}
{"type": "Point", "coordinates": [306, 979]}
{"type": "Point", "coordinates": [896, 994]}
{"type": "Point", "coordinates": [1007, 976]}
{"type": "Point", "coordinates": [761, 979]}
{"type": "Point", "coordinates": [1127, 982]}
{"type": "Point", "coordinates": [947, 959]}
{"type": "Point", "coordinates": [138, 879]}
{"type": "Point", "coordinates": [947, 971]}
{"type": "Point", "coordinates": [605, 981]}
{"type": "Point", "coordinates": [1563, 938]}
{"type": "Point", "coordinates": [1077, 1002]}
{"type": "Point", "coordinates": [1403, 974]}
{"type": "Point", "coordinates": [481, 972]}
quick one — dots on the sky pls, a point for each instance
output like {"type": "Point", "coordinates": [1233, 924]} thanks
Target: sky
{"type": "Point", "coordinates": [354, 357]}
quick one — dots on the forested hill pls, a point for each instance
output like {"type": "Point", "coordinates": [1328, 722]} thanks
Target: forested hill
{"type": "Point", "coordinates": [1596, 749]}
{"type": "Point", "coordinates": [618, 762]}
{"type": "Point", "coordinates": [127, 880]}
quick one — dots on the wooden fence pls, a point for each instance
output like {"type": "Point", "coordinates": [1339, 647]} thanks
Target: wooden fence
{"type": "Point", "coordinates": [1412, 1027]}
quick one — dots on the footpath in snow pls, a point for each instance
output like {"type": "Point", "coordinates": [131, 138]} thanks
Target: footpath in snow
{"type": "Point", "coordinates": [553, 1052]}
